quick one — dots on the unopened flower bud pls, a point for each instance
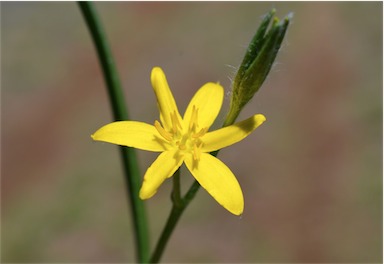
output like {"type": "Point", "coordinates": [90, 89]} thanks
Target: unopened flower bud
{"type": "Point", "coordinates": [257, 63]}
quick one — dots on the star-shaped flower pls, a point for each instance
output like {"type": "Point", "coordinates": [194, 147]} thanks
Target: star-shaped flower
{"type": "Point", "coordinates": [185, 139]}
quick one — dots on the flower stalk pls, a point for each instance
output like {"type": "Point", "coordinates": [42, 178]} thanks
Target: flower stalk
{"type": "Point", "coordinates": [178, 208]}
{"type": "Point", "coordinates": [128, 155]}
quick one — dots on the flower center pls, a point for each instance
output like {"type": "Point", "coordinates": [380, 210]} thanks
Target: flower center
{"type": "Point", "coordinates": [185, 139]}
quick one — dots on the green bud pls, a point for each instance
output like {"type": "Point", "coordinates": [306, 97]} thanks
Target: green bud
{"type": "Point", "coordinates": [257, 63]}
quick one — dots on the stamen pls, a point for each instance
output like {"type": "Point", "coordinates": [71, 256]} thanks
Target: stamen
{"type": "Point", "coordinates": [193, 121]}
{"type": "Point", "coordinates": [181, 146]}
{"type": "Point", "coordinates": [196, 152]}
{"type": "Point", "coordinates": [175, 122]}
{"type": "Point", "coordinates": [162, 131]}
{"type": "Point", "coordinates": [200, 133]}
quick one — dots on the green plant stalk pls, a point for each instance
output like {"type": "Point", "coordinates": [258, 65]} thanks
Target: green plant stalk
{"type": "Point", "coordinates": [176, 192]}
{"type": "Point", "coordinates": [178, 207]}
{"type": "Point", "coordinates": [173, 218]}
{"type": "Point", "coordinates": [129, 158]}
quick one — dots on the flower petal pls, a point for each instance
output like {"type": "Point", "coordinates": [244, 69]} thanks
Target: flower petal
{"type": "Point", "coordinates": [132, 134]}
{"type": "Point", "coordinates": [165, 101]}
{"type": "Point", "coordinates": [229, 135]}
{"type": "Point", "coordinates": [163, 167]}
{"type": "Point", "coordinates": [214, 176]}
{"type": "Point", "coordinates": [208, 100]}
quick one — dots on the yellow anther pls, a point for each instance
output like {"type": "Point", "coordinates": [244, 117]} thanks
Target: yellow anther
{"type": "Point", "coordinates": [193, 121]}
{"type": "Point", "coordinates": [162, 131]}
{"type": "Point", "coordinates": [196, 152]}
{"type": "Point", "coordinates": [181, 145]}
{"type": "Point", "coordinates": [175, 122]}
{"type": "Point", "coordinates": [200, 133]}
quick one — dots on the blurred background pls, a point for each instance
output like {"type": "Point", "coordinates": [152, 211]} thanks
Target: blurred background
{"type": "Point", "coordinates": [311, 175]}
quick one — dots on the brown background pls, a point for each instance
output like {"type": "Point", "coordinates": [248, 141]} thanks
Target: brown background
{"type": "Point", "coordinates": [311, 175]}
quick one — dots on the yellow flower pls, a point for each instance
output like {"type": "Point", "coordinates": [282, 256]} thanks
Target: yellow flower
{"type": "Point", "coordinates": [185, 139]}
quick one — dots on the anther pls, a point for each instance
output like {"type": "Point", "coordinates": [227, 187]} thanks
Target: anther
{"type": "Point", "coordinates": [200, 133]}
{"type": "Point", "coordinates": [181, 146]}
{"type": "Point", "coordinates": [175, 122]}
{"type": "Point", "coordinates": [162, 131]}
{"type": "Point", "coordinates": [193, 121]}
{"type": "Point", "coordinates": [196, 152]}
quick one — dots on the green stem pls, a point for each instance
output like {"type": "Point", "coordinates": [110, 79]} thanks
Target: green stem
{"type": "Point", "coordinates": [129, 158]}
{"type": "Point", "coordinates": [167, 231]}
{"type": "Point", "coordinates": [176, 211]}
{"type": "Point", "coordinates": [176, 192]}
{"type": "Point", "coordinates": [233, 113]}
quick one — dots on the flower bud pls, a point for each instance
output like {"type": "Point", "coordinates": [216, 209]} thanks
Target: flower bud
{"type": "Point", "coordinates": [257, 63]}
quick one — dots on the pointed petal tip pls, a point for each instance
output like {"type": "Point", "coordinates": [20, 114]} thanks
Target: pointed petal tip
{"type": "Point", "coordinates": [144, 195]}
{"type": "Point", "coordinates": [156, 69]}
{"type": "Point", "coordinates": [94, 136]}
{"type": "Point", "coordinates": [156, 73]}
{"type": "Point", "coordinates": [235, 208]}
{"type": "Point", "coordinates": [259, 118]}
{"type": "Point", "coordinates": [221, 184]}
{"type": "Point", "coordinates": [237, 211]}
